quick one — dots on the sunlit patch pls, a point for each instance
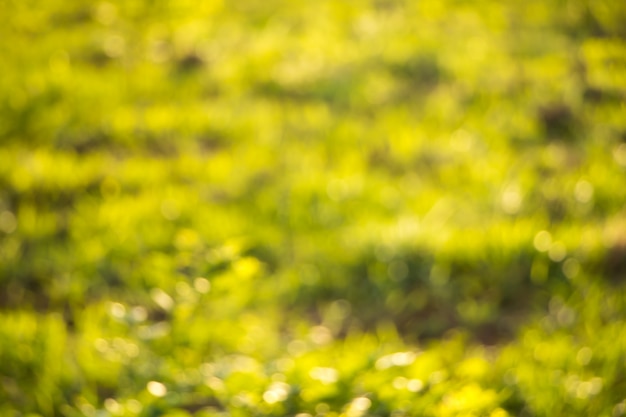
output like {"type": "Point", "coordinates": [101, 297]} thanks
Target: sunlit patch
{"type": "Point", "coordinates": [162, 299]}
{"type": "Point", "coordinates": [183, 289]}
{"type": "Point", "coordinates": [296, 347]}
{"type": "Point", "coordinates": [543, 241]}
{"type": "Point", "coordinates": [139, 313]}
{"type": "Point", "coordinates": [284, 364]}
{"type": "Point", "coordinates": [105, 13]}
{"type": "Point", "coordinates": [87, 409]}
{"type": "Point", "coordinates": [584, 356]}
{"type": "Point", "coordinates": [320, 335]}
{"type": "Point", "coordinates": [322, 408]}
{"type": "Point", "coordinates": [462, 141]}
{"type": "Point", "coordinates": [395, 359]}
{"type": "Point", "coordinates": [131, 350]}
{"type": "Point", "coordinates": [437, 377]}
{"type": "Point", "coordinates": [277, 392]}
{"type": "Point", "coordinates": [583, 191]}
{"type": "Point", "coordinates": [499, 412]}
{"type": "Point", "coordinates": [557, 252]}
{"type": "Point", "coordinates": [399, 382]}
{"type": "Point", "coordinates": [60, 62]}
{"type": "Point", "coordinates": [337, 189]}
{"type": "Point", "coordinates": [156, 388]}
{"type": "Point", "coordinates": [247, 267]}
{"type": "Point", "coordinates": [511, 199]}
{"type": "Point", "coordinates": [101, 345]}
{"type": "Point", "coordinates": [134, 406]}
{"type": "Point", "coordinates": [469, 400]}
{"type": "Point", "coordinates": [117, 310]}
{"type": "Point", "coordinates": [582, 389]}
{"type": "Point", "coordinates": [412, 385]}
{"type": "Point", "coordinates": [114, 46]}
{"type": "Point", "coordinates": [415, 385]}
{"type": "Point", "coordinates": [154, 331]}
{"type": "Point", "coordinates": [170, 210]}
{"type": "Point", "coordinates": [358, 407]}
{"type": "Point", "coordinates": [324, 375]}
{"type": "Point", "coordinates": [112, 406]}
{"type": "Point", "coordinates": [8, 222]}
{"type": "Point", "coordinates": [619, 154]}
{"type": "Point", "coordinates": [160, 51]}
{"type": "Point", "coordinates": [202, 285]}
{"type": "Point", "coordinates": [186, 239]}
{"type": "Point", "coordinates": [619, 409]}
{"type": "Point", "coordinates": [214, 383]}
{"type": "Point", "coordinates": [571, 268]}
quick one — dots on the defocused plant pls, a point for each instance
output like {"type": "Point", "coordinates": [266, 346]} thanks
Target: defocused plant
{"type": "Point", "coordinates": [363, 209]}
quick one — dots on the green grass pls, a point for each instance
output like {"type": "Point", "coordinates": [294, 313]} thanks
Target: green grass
{"type": "Point", "coordinates": [356, 208]}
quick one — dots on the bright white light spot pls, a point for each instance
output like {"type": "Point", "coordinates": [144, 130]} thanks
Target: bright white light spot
{"type": "Point", "coordinates": [543, 241]}
{"type": "Point", "coordinates": [361, 403]}
{"type": "Point", "coordinates": [415, 385]}
{"type": "Point", "coordinates": [358, 407]}
{"type": "Point", "coordinates": [324, 375]}
{"type": "Point", "coordinates": [156, 388]}
{"type": "Point", "coordinates": [395, 359]}
{"type": "Point", "coordinates": [112, 406]}
{"type": "Point", "coordinates": [511, 200]}
{"type": "Point", "coordinates": [403, 358]}
{"type": "Point", "coordinates": [321, 335]}
{"type": "Point", "coordinates": [202, 285]}
{"type": "Point", "coordinates": [583, 191]}
{"type": "Point", "coordinates": [162, 298]}
{"type": "Point", "coordinates": [277, 392]}
{"type": "Point", "coordinates": [117, 310]}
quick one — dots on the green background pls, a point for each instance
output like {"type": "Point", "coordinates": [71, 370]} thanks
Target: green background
{"type": "Point", "coordinates": [332, 208]}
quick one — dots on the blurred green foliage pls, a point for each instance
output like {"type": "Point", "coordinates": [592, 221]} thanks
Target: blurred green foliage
{"type": "Point", "coordinates": [355, 208]}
